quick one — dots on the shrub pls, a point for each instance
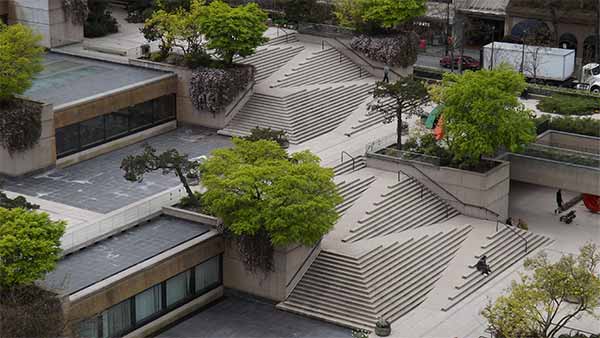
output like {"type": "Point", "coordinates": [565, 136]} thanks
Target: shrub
{"type": "Point", "coordinates": [576, 125]}
{"type": "Point", "coordinates": [569, 105]}
{"type": "Point", "coordinates": [372, 16]}
{"type": "Point", "coordinates": [76, 10]}
{"type": "Point", "coordinates": [312, 11]}
{"type": "Point", "coordinates": [20, 125]}
{"type": "Point", "coordinates": [100, 21]}
{"type": "Point", "coordinates": [40, 309]}
{"type": "Point", "coordinates": [399, 50]}
{"type": "Point", "coordinates": [21, 59]}
{"type": "Point", "coordinates": [268, 134]}
{"type": "Point", "coordinates": [213, 89]}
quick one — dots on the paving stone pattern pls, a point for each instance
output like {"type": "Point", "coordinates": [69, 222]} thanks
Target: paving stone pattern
{"type": "Point", "coordinates": [98, 184]}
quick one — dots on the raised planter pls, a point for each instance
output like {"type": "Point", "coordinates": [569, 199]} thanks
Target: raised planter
{"type": "Point", "coordinates": [486, 190]}
{"type": "Point", "coordinates": [577, 142]}
{"type": "Point", "coordinates": [186, 112]}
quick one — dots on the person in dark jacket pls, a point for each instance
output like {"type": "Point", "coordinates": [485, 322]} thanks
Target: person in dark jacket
{"type": "Point", "coordinates": [559, 201]}
{"type": "Point", "coordinates": [482, 266]}
{"type": "Point", "coordinates": [386, 74]}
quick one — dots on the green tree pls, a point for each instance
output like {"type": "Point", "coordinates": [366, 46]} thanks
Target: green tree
{"type": "Point", "coordinates": [29, 246]}
{"type": "Point", "coordinates": [407, 96]}
{"type": "Point", "coordinates": [541, 304]}
{"type": "Point", "coordinates": [386, 14]}
{"type": "Point", "coordinates": [267, 198]}
{"type": "Point", "coordinates": [21, 59]}
{"type": "Point", "coordinates": [135, 166]}
{"type": "Point", "coordinates": [269, 134]}
{"type": "Point", "coordinates": [482, 113]}
{"type": "Point", "coordinates": [233, 31]}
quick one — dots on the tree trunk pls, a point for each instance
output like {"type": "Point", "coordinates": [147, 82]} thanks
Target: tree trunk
{"type": "Point", "coordinates": [189, 191]}
{"type": "Point", "coordinates": [399, 128]}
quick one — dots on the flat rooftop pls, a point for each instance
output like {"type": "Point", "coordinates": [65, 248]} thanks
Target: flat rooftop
{"type": "Point", "coordinates": [67, 79]}
{"type": "Point", "coordinates": [106, 258]}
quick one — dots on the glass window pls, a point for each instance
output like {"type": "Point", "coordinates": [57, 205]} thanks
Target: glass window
{"type": "Point", "coordinates": [178, 288]}
{"type": "Point", "coordinates": [142, 115]}
{"type": "Point", "coordinates": [164, 108]}
{"type": "Point", "coordinates": [117, 319]}
{"type": "Point", "coordinates": [148, 303]}
{"type": "Point", "coordinates": [117, 124]}
{"type": "Point", "coordinates": [88, 328]}
{"type": "Point", "coordinates": [92, 131]}
{"type": "Point", "coordinates": [208, 274]}
{"type": "Point", "coordinates": [67, 139]}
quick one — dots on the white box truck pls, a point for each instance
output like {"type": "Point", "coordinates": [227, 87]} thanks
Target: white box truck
{"type": "Point", "coordinates": [545, 64]}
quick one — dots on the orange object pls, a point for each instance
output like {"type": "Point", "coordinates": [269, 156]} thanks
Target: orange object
{"type": "Point", "coordinates": [592, 202]}
{"type": "Point", "coordinates": [438, 131]}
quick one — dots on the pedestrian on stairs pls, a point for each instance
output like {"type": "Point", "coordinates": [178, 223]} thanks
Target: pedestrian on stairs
{"type": "Point", "coordinates": [482, 266]}
{"type": "Point", "coordinates": [386, 73]}
{"type": "Point", "coordinates": [559, 202]}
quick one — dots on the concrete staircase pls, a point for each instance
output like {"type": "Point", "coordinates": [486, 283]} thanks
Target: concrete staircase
{"type": "Point", "coordinates": [283, 39]}
{"type": "Point", "coordinates": [268, 60]}
{"type": "Point", "coordinates": [349, 166]}
{"type": "Point", "coordinates": [325, 66]}
{"type": "Point", "coordinates": [389, 280]}
{"type": "Point", "coordinates": [504, 249]}
{"type": "Point", "coordinates": [369, 120]}
{"type": "Point", "coordinates": [351, 191]}
{"type": "Point", "coordinates": [406, 205]}
{"type": "Point", "coordinates": [303, 115]}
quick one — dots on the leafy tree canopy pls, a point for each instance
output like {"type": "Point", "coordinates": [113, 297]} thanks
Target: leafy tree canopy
{"type": "Point", "coordinates": [541, 304]}
{"type": "Point", "coordinates": [233, 31]}
{"type": "Point", "coordinates": [20, 57]}
{"type": "Point", "coordinates": [482, 113]}
{"type": "Point", "coordinates": [360, 14]}
{"type": "Point", "coordinates": [257, 186]}
{"type": "Point", "coordinates": [29, 246]}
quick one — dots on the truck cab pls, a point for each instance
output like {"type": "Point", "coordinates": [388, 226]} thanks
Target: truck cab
{"type": "Point", "coordinates": [590, 78]}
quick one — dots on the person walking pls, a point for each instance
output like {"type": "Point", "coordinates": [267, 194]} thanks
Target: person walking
{"type": "Point", "coordinates": [386, 73]}
{"type": "Point", "coordinates": [559, 201]}
{"type": "Point", "coordinates": [482, 266]}
{"type": "Point", "coordinates": [509, 221]}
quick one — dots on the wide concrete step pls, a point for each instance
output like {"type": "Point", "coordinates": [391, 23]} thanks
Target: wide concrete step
{"type": "Point", "coordinates": [328, 316]}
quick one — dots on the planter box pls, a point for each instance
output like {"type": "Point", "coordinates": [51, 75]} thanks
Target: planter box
{"type": "Point", "coordinates": [487, 190]}
{"type": "Point", "coordinates": [42, 155]}
{"type": "Point", "coordinates": [186, 112]}
{"type": "Point", "coordinates": [561, 139]}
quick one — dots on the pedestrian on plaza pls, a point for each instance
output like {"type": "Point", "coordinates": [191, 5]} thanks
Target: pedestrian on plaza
{"type": "Point", "coordinates": [386, 73]}
{"type": "Point", "coordinates": [559, 201]}
{"type": "Point", "coordinates": [482, 266]}
{"type": "Point", "coordinates": [509, 221]}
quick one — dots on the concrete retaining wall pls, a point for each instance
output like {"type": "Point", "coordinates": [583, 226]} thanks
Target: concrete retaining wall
{"type": "Point", "coordinates": [276, 285]}
{"type": "Point", "coordinates": [186, 112]}
{"type": "Point", "coordinates": [488, 190]}
{"type": "Point", "coordinates": [47, 18]}
{"type": "Point", "coordinates": [554, 174]}
{"type": "Point", "coordinates": [570, 141]}
{"type": "Point", "coordinates": [41, 156]}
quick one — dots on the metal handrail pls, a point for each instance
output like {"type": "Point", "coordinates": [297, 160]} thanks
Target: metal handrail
{"type": "Point", "coordinates": [515, 232]}
{"type": "Point", "coordinates": [352, 157]}
{"type": "Point", "coordinates": [448, 192]}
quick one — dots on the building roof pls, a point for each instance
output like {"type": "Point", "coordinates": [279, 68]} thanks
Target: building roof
{"type": "Point", "coordinates": [106, 258]}
{"type": "Point", "coordinates": [67, 79]}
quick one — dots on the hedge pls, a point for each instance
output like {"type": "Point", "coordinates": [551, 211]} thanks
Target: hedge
{"type": "Point", "coordinates": [569, 104]}
{"type": "Point", "coordinates": [576, 125]}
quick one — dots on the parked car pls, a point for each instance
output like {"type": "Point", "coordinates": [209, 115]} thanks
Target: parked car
{"type": "Point", "coordinates": [467, 62]}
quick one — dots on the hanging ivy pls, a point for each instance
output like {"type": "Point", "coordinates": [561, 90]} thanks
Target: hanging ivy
{"type": "Point", "coordinates": [256, 252]}
{"type": "Point", "coordinates": [76, 10]}
{"type": "Point", "coordinates": [20, 125]}
{"type": "Point", "coordinates": [212, 89]}
{"type": "Point", "coordinates": [398, 50]}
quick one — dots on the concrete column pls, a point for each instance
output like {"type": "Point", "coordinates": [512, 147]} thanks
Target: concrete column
{"type": "Point", "coordinates": [47, 18]}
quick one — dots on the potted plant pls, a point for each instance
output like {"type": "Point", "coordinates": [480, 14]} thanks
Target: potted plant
{"type": "Point", "coordinates": [382, 328]}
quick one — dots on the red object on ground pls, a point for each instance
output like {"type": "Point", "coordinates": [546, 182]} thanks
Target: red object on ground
{"type": "Point", "coordinates": [592, 202]}
{"type": "Point", "coordinates": [438, 131]}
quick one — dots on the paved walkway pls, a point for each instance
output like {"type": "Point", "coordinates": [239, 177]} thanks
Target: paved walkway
{"type": "Point", "coordinates": [98, 185]}
{"type": "Point", "coordinates": [235, 317]}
